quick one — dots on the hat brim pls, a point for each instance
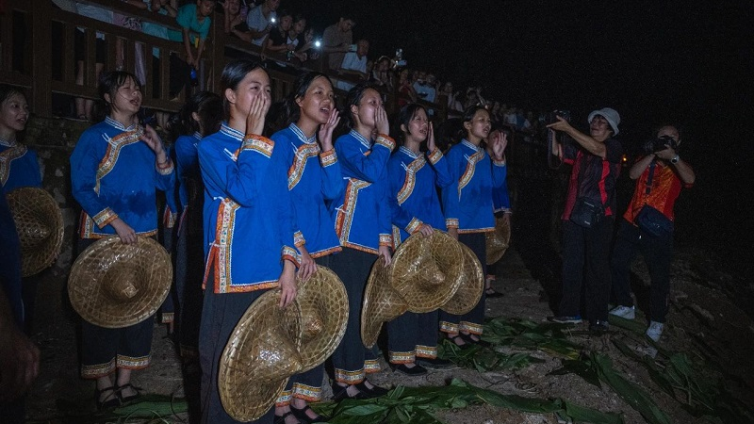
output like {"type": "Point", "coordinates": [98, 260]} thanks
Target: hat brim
{"type": "Point", "coordinates": [89, 296]}
{"type": "Point", "coordinates": [470, 290]}
{"type": "Point", "coordinates": [323, 302]}
{"type": "Point", "coordinates": [498, 241]}
{"type": "Point", "coordinates": [260, 356]}
{"type": "Point", "coordinates": [410, 273]}
{"type": "Point", "coordinates": [40, 228]}
{"type": "Point", "coordinates": [381, 303]}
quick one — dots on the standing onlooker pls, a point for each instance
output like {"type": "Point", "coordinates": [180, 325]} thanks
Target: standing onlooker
{"type": "Point", "coordinates": [354, 64]}
{"type": "Point", "coordinates": [260, 21]}
{"type": "Point", "coordinates": [277, 39]}
{"type": "Point", "coordinates": [337, 41]}
{"type": "Point", "coordinates": [660, 176]}
{"type": "Point", "coordinates": [588, 216]}
{"type": "Point", "coordinates": [195, 21]}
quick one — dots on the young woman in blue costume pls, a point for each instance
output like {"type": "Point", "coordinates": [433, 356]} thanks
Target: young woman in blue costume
{"type": "Point", "coordinates": [468, 207]}
{"type": "Point", "coordinates": [116, 168]}
{"type": "Point", "coordinates": [248, 222]}
{"type": "Point", "coordinates": [18, 168]}
{"type": "Point", "coordinates": [414, 178]}
{"type": "Point", "coordinates": [362, 223]}
{"type": "Point", "coordinates": [198, 118]}
{"type": "Point", "coordinates": [502, 208]}
{"type": "Point", "coordinates": [314, 178]}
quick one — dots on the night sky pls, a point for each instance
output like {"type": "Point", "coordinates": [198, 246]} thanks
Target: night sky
{"type": "Point", "coordinates": [685, 62]}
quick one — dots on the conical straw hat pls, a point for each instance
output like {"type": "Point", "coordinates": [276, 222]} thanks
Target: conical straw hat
{"type": "Point", "coordinates": [381, 304]}
{"type": "Point", "coordinates": [498, 240]}
{"type": "Point", "coordinates": [472, 285]}
{"type": "Point", "coordinates": [116, 285]}
{"type": "Point", "coordinates": [261, 354]}
{"type": "Point", "coordinates": [40, 227]}
{"type": "Point", "coordinates": [323, 302]}
{"type": "Point", "coordinates": [426, 270]}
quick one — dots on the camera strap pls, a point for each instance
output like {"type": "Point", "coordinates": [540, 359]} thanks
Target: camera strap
{"type": "Point", "coordinates": [650, 176]}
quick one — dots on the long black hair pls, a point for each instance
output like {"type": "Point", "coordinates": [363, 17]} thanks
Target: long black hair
{"type": "Point", "coordinates": [7, 91]}
{"type": "Point", "coordinates": [405, 115]}
{"type": "Point", "coordinates": [468, 116]}
{"type": "Point", "coordinates": [208, 106]}
{"type": "Point", "coordinates": [353, 98]}
{"type": "Point", "coordinates": [109, 83]}
{"type": "Point", "coordinates": [291, 109]}
{"type": "Point", "coordinates": [233, 73]}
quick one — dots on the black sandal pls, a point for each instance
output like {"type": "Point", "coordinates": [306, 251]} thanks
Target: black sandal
{"type": "Point", "coordinates": [125, 399]}
{"type": "Point", "coordinates": [112, 403]}
{"type": "Point", "coordinates": [375, 391]}
{"type": "Point", "coordinates": [280, 419]}
{"type": "Point", "coordinates": [469, 340]}
{"type": "Point", "coordinates": [492, 293]}
{"type": "Point", "coordinates": [305, 419]}
{"type": "Point", "coordinates": [339, 393]}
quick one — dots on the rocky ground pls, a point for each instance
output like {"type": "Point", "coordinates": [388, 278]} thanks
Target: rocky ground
{"type": "Point", "coordinates": [704, 323]}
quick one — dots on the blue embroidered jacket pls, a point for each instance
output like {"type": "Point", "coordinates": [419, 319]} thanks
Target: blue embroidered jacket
{"type": "Point", "coordinates": [413, 190]}
{"type": "Point", "coordinates": [362, 212]}
{"type": "Point", "coordinates": [467, 201]}
{"type": "Point", "coordinates": [248, 215]}
{"type": "Point", "coordinates": [172, 203]}
{"type": "Point", "coordinates": [314, 179]}
{"type": "Point", "coordinates": [115, 174]}
{"type": "Point", "coordinates": [18, 167]}
{"type": "Point", "coordinates": [501, 202]}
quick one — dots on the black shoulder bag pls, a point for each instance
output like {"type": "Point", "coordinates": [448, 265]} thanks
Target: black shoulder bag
{"type": "Point", "coordinates": [586, 211]}
{"type": "Point", "coordinates": [649, 219]}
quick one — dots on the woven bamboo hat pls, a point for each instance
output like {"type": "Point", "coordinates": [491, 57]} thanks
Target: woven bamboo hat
{"type": "Point", "coordinates": [323, 302]}
{"type": "Point", "coordinates": [498, 240]}
{"type": "Point", "coordinates": [261, 354]}
{"type": "Point", "coordinates": [426, 270]}
{"type": "Point", "coordinates": [40, 227]}
{"type": "Point", "coordinates": [381, 303]}
{"type": "Point", "coordinates": [116, 285]}
{"type": "Point", "coordinates": [472, 285]}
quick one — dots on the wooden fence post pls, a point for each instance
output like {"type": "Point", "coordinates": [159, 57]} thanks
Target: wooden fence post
{"type": "Point", "coordinates": [41, 71]}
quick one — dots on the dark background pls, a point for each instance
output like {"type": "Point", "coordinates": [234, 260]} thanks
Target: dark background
{"type": "Point", "coordinates": [654, 62]}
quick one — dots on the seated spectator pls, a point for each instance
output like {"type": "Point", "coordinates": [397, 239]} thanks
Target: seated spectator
{"type": "Point", "coordinates": [259, 21]}
{"type": "Point", "coordinates": [381, 75]}
{"type": "Point", "coordinates": [277, 40]}
{"type": "Point", "coordinates": [337, 40]}
{"type": "Point", "coordinates": [235, 16]}
{"type": "Point", "coordinates": [406, 92]}
{"type": "Point", "coordinates": [302, 39]}
{"type": "Point", "coordinates": [423, 90]}
{"type": "Point", "coordinates": [455, 108]}
{"type": "Point", "coordinates": [354, 64]}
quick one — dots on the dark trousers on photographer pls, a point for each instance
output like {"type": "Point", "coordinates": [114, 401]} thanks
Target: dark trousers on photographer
{"type": "Point", "coordinates": [586, 253]}
{"type": "Point", "coordinates": [657, 253]}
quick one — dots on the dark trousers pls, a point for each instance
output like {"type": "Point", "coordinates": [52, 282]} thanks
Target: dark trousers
{"type": "Point", "coordinates": [189, 272]}
{"type": "Point", "coordinates": [472, 322]}
{"type": "Point", "coordinates": [351, 360]}
{"type": "Point", "coordinates": [586, 256]}
{"type": "Point", "coordinates": [171, 303]}
{"type": "Point", "coordinates": [657, 253]}
{"type": "Point", "coordinates": [220, 315]}
{"type": "Point", "coordinates": [105, 349]}
{"type": "Point", "coordinates": [412, 335]}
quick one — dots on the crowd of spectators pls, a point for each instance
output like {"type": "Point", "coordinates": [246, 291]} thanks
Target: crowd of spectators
{"type": "Point", "coordinates": [284, 36]}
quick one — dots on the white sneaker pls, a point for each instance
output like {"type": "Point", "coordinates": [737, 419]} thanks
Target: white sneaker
{"type": "Point", "coordinates": [655, 330]}
{"type": "Point", "coordinates": [624, 312]}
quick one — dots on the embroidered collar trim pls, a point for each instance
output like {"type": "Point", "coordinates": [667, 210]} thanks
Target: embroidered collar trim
{"type": "Point", "coordinates": [408, 152]}
{"type": "Point", "coordinates": [301, 136]}
{"type": "Point", "coordinates": [470, 145]}
{"type": "Point", "coordinates": [118, 126]}
{"type": "Point", "coordinates": [367, 143]}
{"type": "Point", "coordinates": [231, 132]}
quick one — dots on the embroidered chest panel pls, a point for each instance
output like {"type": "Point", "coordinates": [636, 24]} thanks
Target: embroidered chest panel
{"type": "Point", "coordinates": [409, 182]}
{"type": "Point", "coordinates": [344, 219]}
{"type": "Point", "coordinates": [115, 146]}
{"type": "Point", "coordinates": [302, 156]}
{"type": "Point", "coordinates": [468, 173]}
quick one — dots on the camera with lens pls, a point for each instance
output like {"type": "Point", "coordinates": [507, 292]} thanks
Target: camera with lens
{"type": "Point", "coordinates": [551, 117]}
{"type": "Point", "coordinates": [659, 143]}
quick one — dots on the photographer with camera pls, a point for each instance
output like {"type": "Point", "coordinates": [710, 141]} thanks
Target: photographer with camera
{"type": "Point", "coordinates": [588, 215]}
{"type": "Point", "coordinates": [647, 226]}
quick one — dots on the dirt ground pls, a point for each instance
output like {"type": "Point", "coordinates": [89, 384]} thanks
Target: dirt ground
{"type": "Point", "coordinates": [700, 310]}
